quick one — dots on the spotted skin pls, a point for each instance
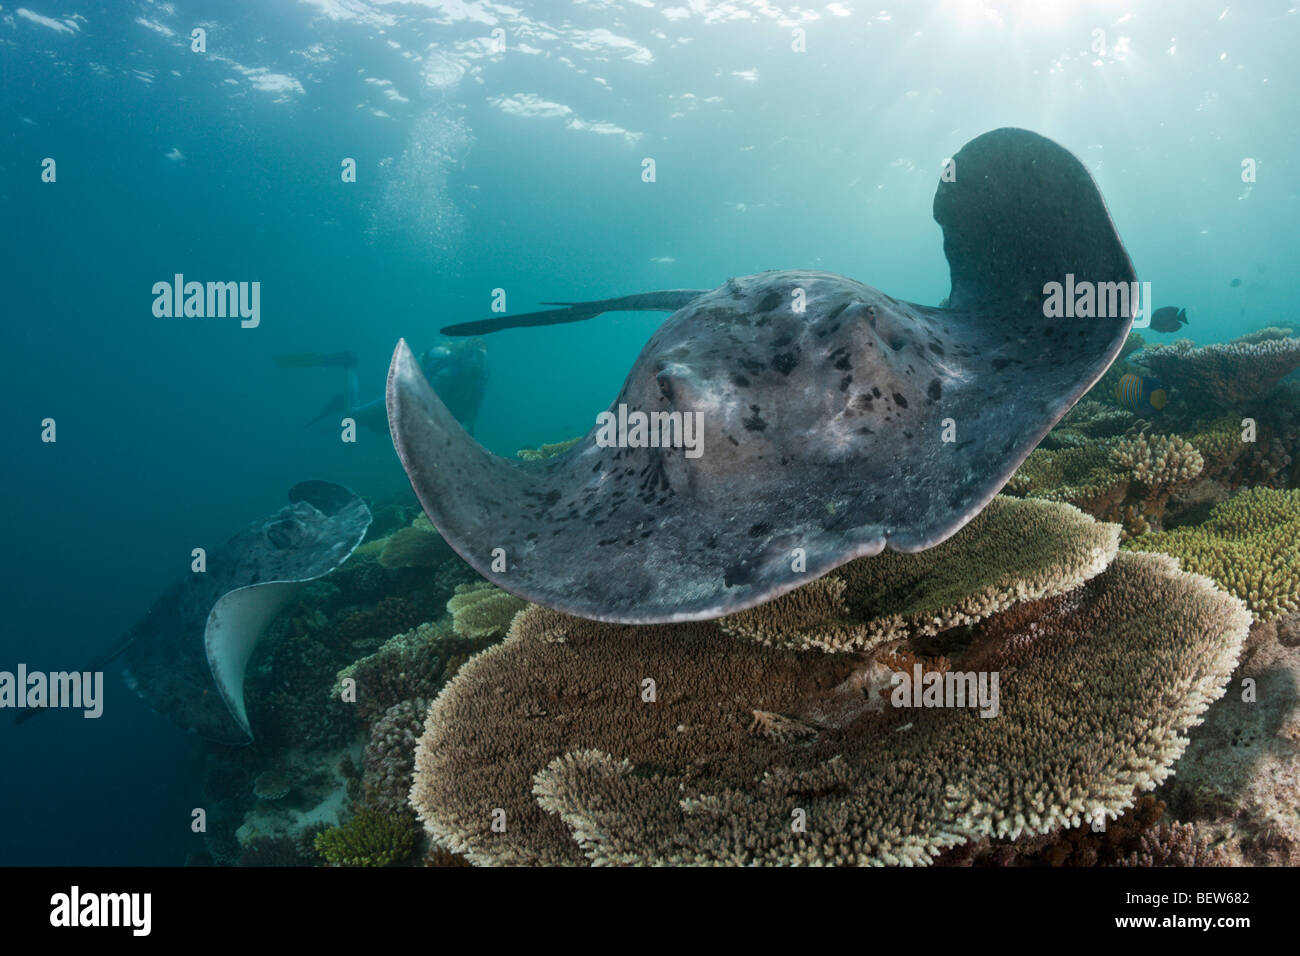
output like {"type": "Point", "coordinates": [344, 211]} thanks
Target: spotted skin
{"type": "Point", "coordinates": [837, 421]}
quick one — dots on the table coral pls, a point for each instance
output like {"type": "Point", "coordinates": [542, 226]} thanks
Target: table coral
{"type": "Point", "coordinates": [1014, 550]}
{"type": "Point", "coordinates": [1229, 374]}
{"type": "Point", "coordinates": [552, 734]}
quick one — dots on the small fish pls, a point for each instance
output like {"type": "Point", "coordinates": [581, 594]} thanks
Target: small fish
{"type": "Point", "coordinates": [1168, 319]}
{"type": "Point", "coordinates": [1141, 394]}
{"type": "Point", "coordinates": [1234, 283]}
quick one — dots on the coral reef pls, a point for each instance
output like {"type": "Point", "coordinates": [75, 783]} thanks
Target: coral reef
{"type": "Point", "coordinates": [1082, 476]}
{"type": "Point", "coordinates": [549, 450]}
{"type": "Point", "coordinates": [1088, 422]}
{"type": "Point", "coordinates": [1250, 545]}
{"type": "Point", "coordinates": [408, 665]}
{"type": "Point", "coordinates": [273, 784]}
{"type": "Point", "coordinates": [1229, 374]}
{"type": "Point", "coordinates": [482, 610]}
{"type": "Point", "coordinates": [371, 838]}
{"type": "Point", "coordinates": [1014, 550]}
{"type": "Point", "coordinates": [1266, 334]}
{"type": "Point", "coordinates": [417, 546]}
{"type": "Point", "coordinates": [299, 850]}
{"type": "Point", "coordinates": [576, 741]}
{"type": "Point", "coordinates": [1140, 837]}
{"type": "Point", "coordinates": [390, 755]}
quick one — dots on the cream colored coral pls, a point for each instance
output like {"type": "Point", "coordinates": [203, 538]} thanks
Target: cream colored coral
{"type": "Point", "coordinates": [1161, 460]}
{"type": "Point", "coordinates": [482, 610]}
{"type": "Point", "coordinates": [1014, 550]}
{"type": "Point", "coordinates": [633, 744]}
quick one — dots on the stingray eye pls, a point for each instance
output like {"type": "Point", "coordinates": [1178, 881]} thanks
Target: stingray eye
{"type": "Point", "coordinates": [674, 382]}
{"type": "Point", "coordinates": [888, 327]}
{"type": "Point", "coordinates": [283, 533]}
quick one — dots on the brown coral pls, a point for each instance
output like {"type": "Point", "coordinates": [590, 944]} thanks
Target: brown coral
{"type": "Point", "coordinates": [639, 739]}
{"type": "Point", "coordinates": [1140, 837]}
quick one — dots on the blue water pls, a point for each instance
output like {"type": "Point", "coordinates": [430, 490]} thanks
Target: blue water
{"type": "Point", "coordinates": [520, 171]}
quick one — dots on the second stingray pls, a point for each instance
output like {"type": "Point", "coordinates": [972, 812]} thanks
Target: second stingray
{"type": "Point", "coordinates": [835, 420]}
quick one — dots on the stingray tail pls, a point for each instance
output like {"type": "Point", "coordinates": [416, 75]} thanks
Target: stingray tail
{"type": "Point", "coordinates": [669, 300]}
{"type": "Point", "coordinates": [98, 664]}
{"type": "Point", "coordinates": [334, 406]}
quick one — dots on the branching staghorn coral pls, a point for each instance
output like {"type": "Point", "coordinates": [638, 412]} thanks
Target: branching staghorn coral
{"type": "Point", "coordinates": [1014, 550]}
{"type": "Point", "coordinates": [553, 748]}
{"type": "Point", "coordinates": [1158, 460]}
{"type": "Point", "coordinates": [370, 838]}
{"type": "Point", "coordinates": [1157, 465]}
{"type": "Point", "coordinates": [1250, 545]}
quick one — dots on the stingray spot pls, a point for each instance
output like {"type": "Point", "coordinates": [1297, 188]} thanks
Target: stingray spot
{"type": "Point", "coordinates": [845, 382]}
{"type": "Point", "coordinates": [733, 441]}
{"type": "Point", "coordinates": [842, 363]}
{"type": "Point", "coordinates": [769, 302]}
{"type": "Point", "coordinates": [875, 391]}
{"type": "Point", "coordinates": [864, 430]}
{"type": "Point", "coordinates": [784, 362]}
{"type": "Point", "coordinates": [902, 402]}
{"type": "Point", "coordinates": [551, 498]}
{"type": "Point", "coordinates": [740, 381]}
{"type": "Point", "coordinates": [936, 348]}
{"type": "Point", "coordinates": [760, 529]}
{"type": "Point", "coordinates": [934, 390]}
{"type": "Point", "coordinates": [755, 424]}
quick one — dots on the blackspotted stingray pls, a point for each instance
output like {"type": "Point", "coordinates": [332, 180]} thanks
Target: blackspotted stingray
{"type": "Point", "coordinates": [836, 420]}
{"type": "Point", "coordinates": [188, 655]}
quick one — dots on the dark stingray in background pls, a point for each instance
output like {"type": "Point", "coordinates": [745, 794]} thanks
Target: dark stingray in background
{"type": "Point", "coordinates": [823, 429]}
{"type": "Point", "coordinates": [187, 655]}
